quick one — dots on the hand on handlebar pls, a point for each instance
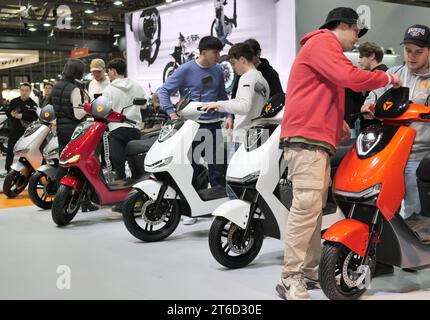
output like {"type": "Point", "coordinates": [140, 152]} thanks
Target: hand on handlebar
{"type": "Point", "coordinates": [174, 116]}
{"type": "Point", "coordinates": [396, 82]}
{"type": "Point", "coordinates": [208, 107]}
{"type": "Point", "coordinates": [370, 109]}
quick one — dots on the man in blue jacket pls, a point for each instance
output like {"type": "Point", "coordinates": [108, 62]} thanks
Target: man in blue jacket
{"type": "Point", "coordinates": [205, 79]}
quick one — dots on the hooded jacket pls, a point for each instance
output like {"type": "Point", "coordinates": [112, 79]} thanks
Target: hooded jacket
{"type": "Point", "coordinates": [122, 92]}
{"type": "Point", "coordinates": [419, 92]}
{"type": "Point", "coordinates": [315, 100]}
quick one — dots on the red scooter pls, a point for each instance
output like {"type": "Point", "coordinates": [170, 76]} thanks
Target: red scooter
{"type": "Point", "coordinates": [85, 177]}
{"type": "Point", "coordinates": [369, 187]}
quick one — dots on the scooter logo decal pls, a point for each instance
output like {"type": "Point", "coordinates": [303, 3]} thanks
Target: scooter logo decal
{"type": "Point", "coordinates": [99, 108]}
{"type": "Point", "coordinates": [268, 107]}
{"type": "Point", "coordinates": [388, 105]}
{"type": "Point", "coordinates": [46, 114]}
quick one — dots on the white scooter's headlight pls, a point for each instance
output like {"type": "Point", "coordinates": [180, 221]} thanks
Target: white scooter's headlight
{"type": "Point", "coordinates": [252, 177]}
{"type": "Point", "coordinates": [368, 140]}
{"type": "Point", "coordinates": [169, 129]}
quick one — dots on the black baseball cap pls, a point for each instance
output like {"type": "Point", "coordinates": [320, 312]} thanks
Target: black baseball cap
{"type": "Point", "coordinates": [418, 34]}
{"type": "Point", "coordinates": [347, 15]}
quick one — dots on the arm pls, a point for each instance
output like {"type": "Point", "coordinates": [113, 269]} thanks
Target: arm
{"type": "Point", "coordinates": [328, 59]}
{"type": "Point", "coordinates": [173, 83]}
{"type": "Point", "coordinates": [223, 96]}
{"type": "Point", "coordinates": [275, 83]}
{"type": "Point", "coordinates": [243, 103]}
{"type": "Point", "coordinates": [76, 99]}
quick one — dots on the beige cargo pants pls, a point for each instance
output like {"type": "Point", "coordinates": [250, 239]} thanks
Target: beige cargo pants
{"type": "Point", "coordinates": [309, 171]}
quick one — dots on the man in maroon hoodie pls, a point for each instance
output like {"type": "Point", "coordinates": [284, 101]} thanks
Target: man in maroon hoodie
{"type": "Point", "coordinates": [312, 128]}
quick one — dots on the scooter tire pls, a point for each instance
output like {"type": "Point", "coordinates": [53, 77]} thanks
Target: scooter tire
{"type": "Point", "coordinates": [61, 205]}
{"type": "Point", "coordinates": [10, 181]}
{"type": "Point", "coordinates": [32, 191]}
{"type": "Point", "coordinates": [334, 254]}
{"type": "Point", "coordinates": [218, 251]}
{"type": "Point", "coordinates": [129, 217]}
{"type": "Point", "coordinates": [169, 69]}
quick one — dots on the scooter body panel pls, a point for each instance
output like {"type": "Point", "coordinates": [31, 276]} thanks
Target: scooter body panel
{"type": "Point", "coordinates": [32, 144]}
{"type": "Point", "coordinates": [152, 187]}
{"type": "Point", "coordinates": [179, 167]}
{"type": "Point", "coordinates": [21, 168]}
{"type": "Point", "coordinates": [49, 170]}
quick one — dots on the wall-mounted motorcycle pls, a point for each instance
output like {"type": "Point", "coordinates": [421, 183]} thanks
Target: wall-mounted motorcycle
{"type": "Point", "coordinates": [222, 27]}
{"type": "Point", "coordinates": [185, 51]}
{"type": "Point", "coordinates": [4, 130]}
{"type": "Point", "coordinates": [146, 29]}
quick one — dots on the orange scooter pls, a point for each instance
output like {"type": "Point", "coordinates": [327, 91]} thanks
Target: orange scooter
{"type": "Point", "coordinates": [369, 188]}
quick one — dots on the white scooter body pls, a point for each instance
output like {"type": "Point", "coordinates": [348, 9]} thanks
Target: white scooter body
{"type": "Point", "coordinates": [266, 160]}
{"type": "Point", "coordinates": [28, 147]}
{"type": "Point", "coordinates": [171, 156]}
{"type": "Point", "coordinates": [51, 156]}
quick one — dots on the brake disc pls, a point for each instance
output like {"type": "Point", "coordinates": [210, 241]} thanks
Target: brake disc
{"type": "Point", "coordinates": [356, 278]}
{"type": "Point", "coordinates": [145, 216]}
{"type": "Point", "coordinates": [234, 247]}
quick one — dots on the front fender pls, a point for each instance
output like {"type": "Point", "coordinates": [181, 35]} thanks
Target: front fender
{"type": "Point", "coordinates": [351, 233]}
{"type": "Point", "coordinates": [21, 168]}
{"type": "Point", "coordinates": [72, 182]}
{"type": "Point", "coordinates": [49, 170]}
{"type": "Point", "coordinates": [236, 211]}
{"type": "Point", "coordinates": [152, 187]}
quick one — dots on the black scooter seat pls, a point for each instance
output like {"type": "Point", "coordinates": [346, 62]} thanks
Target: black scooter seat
{"type": "Point", "coordinates": [122, 184]}
{"type": "Point", "coordinates": [139, 146]}
{"type": "Point", "coordinates": [212, 193]}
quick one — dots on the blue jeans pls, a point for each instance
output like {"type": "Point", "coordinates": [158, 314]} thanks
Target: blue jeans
{"type": "Point", "coordinates": [216, 166]}
{"type": "Point", "coordinates": [411, 203]}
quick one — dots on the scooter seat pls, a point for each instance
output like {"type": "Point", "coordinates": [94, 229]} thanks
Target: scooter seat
{"type": "Point", "coordinates": [212, 193]}
{"type": "Point", "coordinates": [140, 146]}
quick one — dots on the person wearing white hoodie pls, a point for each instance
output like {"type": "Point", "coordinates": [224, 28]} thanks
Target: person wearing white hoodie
{"type": "Point", "coordinates": [121, 92]}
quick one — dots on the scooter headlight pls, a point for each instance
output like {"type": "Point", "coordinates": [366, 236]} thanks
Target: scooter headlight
{"type": "Point", "coordinates": [161, 163]}
{"type": "Point", "coordinates": [250, 178]}
{"type": "Point", "coordinates": [169, 129]}
{"type": "Point", "coordinates": [51, 154]}
{"type": "Point", "coordinates": [365, 194]}
{"type": "Point", "coordinates": [21, 153]}
{"type": "Point", "coordinates": [32, 128]}
{"type": "Point", "coordinates": [368, 140]}
{"type": "Point", "coordinates": [71, 160]}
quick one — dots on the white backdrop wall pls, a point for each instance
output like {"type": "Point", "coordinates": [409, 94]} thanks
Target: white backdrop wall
{"type": "Point", "coordinates": [271, 22]}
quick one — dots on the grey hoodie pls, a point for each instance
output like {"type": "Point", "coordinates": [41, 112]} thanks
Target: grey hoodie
{"type": "Point", "coordinates": [419, 85]}
{"type": "Point", "coordinates": [122, 92]}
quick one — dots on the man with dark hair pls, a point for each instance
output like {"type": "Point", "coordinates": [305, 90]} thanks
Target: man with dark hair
{"type": "Point", "coordinates": [205, 79]}
{"type": "Point", "coordinates": [371, 56]}
{"type": "Point", "coordinates": [312, 128]}
{"type": "Point", "coordinates": [21, 112]}
{"type": "Point", "coordinates": [121, 92]}
{"type": "Point", "coordinates": [47, 94]}
{"type": "Point", "coordinates": [262, 65]}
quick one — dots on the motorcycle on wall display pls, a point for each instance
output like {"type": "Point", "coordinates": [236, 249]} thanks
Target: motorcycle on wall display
{"type": "Point", "coordinates": [222, 27]}
{"type": "Point", "coordinates": [186, 50]}
{"type": "Point", "coordinates": [146, 29]}
{"type": "Point", "coordinates": [4, 130]}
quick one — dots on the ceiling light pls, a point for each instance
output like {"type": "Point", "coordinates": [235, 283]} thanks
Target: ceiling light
{"type": "Point", "coordinates": [169, 1]}
{"type": "Point", "coordinates": [95, 23]}
{"type": "Point", "coordinates": [32, 29]}
{"type": "Point", "coordinates": [117, 3]}
{"type": "Point", "coordinates": [69, 18]}
{"type": "Point", "coordinates": [46, 24]}
{"type": "Point", "coordinates": [89, 11]}
{"type": "Point", "coordinates": [116, 35]}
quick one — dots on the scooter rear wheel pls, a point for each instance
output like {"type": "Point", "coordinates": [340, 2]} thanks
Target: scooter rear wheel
{"type": "Point", "coordinates": [65, 205]}
{"type": "Point", "coordinates": [41, 190]}
{"type": "Point", "coordinates": [336, 261]}
{"type": "Point", "coordinates": [144, 223]}
{"type": "Point", "coordinates": [227, 246]}
{"type": "Point", "coordinates": [14, 183]}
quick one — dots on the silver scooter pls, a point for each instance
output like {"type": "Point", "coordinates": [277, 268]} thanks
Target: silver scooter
{"type": "Point", "coordinates": [28, 149]}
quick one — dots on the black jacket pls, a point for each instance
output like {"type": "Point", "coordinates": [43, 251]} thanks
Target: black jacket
{"type": "Point", "coordinates": [271, 76]}
{"type": "Point", "coordinates": [28, 110]}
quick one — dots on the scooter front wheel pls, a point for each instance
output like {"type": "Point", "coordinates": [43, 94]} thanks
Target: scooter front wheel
{"type": "Point", "coordinates": [144, 222]}
{"type": "Point", "coordinates": [65, 205]}
{"type": "Point", "coordinates": [14, 183]}
{"type": "Point", "coordinates": [228, 246]}
{"type": "Point", "coordinates": [41, 190]}
{"type": "Point", "coordinates": [342, 275]}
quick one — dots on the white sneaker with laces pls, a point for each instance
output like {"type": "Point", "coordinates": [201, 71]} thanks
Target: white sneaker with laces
{"type": "Point", "coordinates": [293, 288]}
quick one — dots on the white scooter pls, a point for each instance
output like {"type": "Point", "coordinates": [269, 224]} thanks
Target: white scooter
{"type": "Point", "coordinates": [153, 209]}
{"type": "Point", "coordinates": [29, 151]}
{"type": "Point", "coordinates": [42, 185]}
{"type": "Point", "coordinates": [257, 173]}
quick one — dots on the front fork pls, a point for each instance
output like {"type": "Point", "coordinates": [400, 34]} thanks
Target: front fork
{"type": "Point", "coordinates": [252, 211]}
{"type": "Point", "coordinates": [373, 239]}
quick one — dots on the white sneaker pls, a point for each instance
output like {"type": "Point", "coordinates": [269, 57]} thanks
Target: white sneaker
{"type": "Point", "coordinates": [293, 288]}
{"type": "Point", "coordinates": [189, 221]}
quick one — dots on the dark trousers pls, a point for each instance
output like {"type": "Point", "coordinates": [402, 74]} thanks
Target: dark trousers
{"type": "Point", "coordinates": [118, 140]}
{"type": "Point", "coordinates": [12, 140]}
{"type": "Point", "coordinates": [215, 161]}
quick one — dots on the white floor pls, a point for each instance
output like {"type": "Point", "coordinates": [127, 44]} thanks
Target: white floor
{"type": "Point", "coordinates": [106, 262]}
